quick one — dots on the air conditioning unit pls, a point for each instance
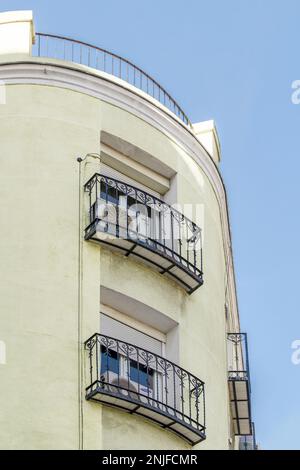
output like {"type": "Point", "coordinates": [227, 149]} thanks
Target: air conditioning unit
{"type": "Point", "coordinates": [119, 384]}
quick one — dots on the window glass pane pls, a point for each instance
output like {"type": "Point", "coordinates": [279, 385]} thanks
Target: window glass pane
{"type": "Point", "coordinates": [141, 374]}
{"type": "Point", "coordinates": [131, 201]}
{"type": "Point", "coordinates": [109, 193]}
{"type": "Point", "coordinates": [109, 361]}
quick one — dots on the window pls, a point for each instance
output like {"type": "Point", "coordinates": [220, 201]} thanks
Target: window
{"type": "Point", "coordinates": [141, 374]}
{"type": "Point", "coordinates": [127, 216]}
{"type": "Point", "coordinates": [125, 362]}
{"type": "Point", "coordinates": [109, 193]}
{"type": "Point", "coordinates": [124, 215]}
{"type": "Point", "coordinates": [109, 360]}
{"type": "Point", "coordinates": [117, 370]}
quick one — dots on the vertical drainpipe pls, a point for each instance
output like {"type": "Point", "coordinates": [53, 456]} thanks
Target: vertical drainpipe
{"type": "Point", "coordinates": [79, 299]}
{"type": "Point", "coordinates": [79, 314]}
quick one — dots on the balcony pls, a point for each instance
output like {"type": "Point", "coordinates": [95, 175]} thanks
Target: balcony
{"type": "Point", "coordinates": [138, 224]}
{"type": "Point", "coordinates": [139, 382]}
{"type": "Point", "coordinates": [72, 50]}
{"type": "Point", "coordinates": [248, 442]}
{"type": "Point", "coordinates": [239, 383]}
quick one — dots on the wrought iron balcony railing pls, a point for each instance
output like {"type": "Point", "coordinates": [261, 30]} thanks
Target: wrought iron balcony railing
{"type": "Point", "coordinates": [248, 442]}
{"type": "Point", "coordinates": [239, 383]}
{"type": "Point", "coordinates": [138, 224]}
{"type": "Point", "coordinates": [63, 48]}
{"type": "Point", "coordinates": [142, 383]}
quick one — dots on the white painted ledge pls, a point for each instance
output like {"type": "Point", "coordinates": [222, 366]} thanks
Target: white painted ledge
{"type": "Point", "coordinates": [16, 32]}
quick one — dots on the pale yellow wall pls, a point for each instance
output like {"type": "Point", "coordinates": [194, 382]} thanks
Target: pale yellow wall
{"type": "Point", "coordinates": [123, 431]}
{"type": "Point", "coordinates": [42, 131]}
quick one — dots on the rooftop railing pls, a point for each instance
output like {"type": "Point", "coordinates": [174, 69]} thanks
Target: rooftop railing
{"type": "Point", "coordinates": [64, 48]}
{"type": "Point", "coordinates": [142, 383]}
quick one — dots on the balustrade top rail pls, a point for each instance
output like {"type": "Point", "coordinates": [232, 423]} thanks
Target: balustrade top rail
{"type": "Point", "coordinates": [64, 48]}
{"type": "Point", "coordinates": [142, 382]}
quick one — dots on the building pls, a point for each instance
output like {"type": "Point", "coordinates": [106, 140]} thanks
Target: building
{"type": "Point", "coordinates": [119, 325]}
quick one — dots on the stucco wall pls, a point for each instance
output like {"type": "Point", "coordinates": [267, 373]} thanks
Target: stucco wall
{"type": "Point", "coordinates": [42, 130]}
{"type": "Point", "coordinates": [52, 279]}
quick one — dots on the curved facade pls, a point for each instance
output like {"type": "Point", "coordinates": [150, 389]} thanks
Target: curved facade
{"type": "Point", "coordinates": [115, 323]}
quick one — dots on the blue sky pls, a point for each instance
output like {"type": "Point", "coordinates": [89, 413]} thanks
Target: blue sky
{"type": "Point", "coordinates": [232, 61]}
